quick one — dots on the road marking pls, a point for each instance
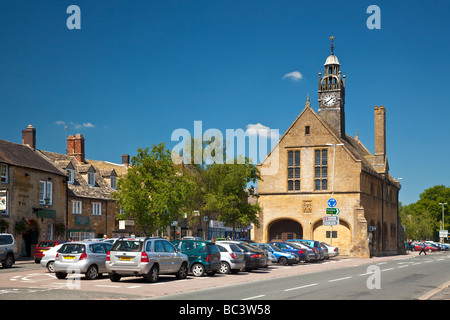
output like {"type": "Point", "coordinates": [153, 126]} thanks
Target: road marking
{"type": "Point", "coordinates": [403, 266]}
{"type": "Point", "coordinates": [306, 286]}
{"type": "Point", "coordinates": [255, 297]}
{"type": "Point", "coordinates": [431, 293]}
{"type": "Point", "coordinates": [339, 279]}
{"type": "Point", "coordinates": [106, 286]}
{"type": "Point", "coordinates": [387, 269]}
{"type": "Point", "coordinates": [132, 287]}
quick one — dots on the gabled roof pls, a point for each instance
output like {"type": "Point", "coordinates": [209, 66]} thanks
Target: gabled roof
{"type": "Point", "coordinates": [23, 156]}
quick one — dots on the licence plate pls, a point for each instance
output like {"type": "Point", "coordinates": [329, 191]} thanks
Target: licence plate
{"type": "Point", "coordinates": [69, 257]}
{"type": "Point", "coordinates": [125, 258]}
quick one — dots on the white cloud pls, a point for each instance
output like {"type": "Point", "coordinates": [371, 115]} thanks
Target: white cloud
{"type": "Point", "coordinates": [75, 125]}
{"type": "Point", "coordinates": [294, 75]}
{"type": "Point", "coordinates": [258, 129]}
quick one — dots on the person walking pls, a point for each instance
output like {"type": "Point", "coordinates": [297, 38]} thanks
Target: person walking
{"type": "Point", "coordinates": [423, 248]}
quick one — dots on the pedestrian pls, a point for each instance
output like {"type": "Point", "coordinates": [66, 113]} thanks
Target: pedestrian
{"type": "Point", "coordinates": [423, 248]}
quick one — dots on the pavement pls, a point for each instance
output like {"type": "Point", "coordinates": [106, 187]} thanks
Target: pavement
{"type": "Point", "coordinates": [442, 292]}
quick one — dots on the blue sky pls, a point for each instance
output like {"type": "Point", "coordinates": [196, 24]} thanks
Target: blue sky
{"type": "Point", "coordinates": [138, 70]}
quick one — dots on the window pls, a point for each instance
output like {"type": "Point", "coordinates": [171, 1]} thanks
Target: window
{"type": "Point", "coordinates": [76, 207]}
{"type": "Point", "coordinates": [91, 179]}
{"type": "Point", "coordinates": [97, 209]}
{"type": "Point", "coordinates": [45, 192]}
{"type": "Point", "coordinates": [113, 181]}
{"type": "Point", "coordinates": [3, 173]}
{"type": "Point", "coordinates": [321, 169]}
{"type": "Point", "coordinates": [307, 130]}
{"type": "Point", "coordinates": [293, 170]}
{"type": "Point", "coordinates": [70, 176]}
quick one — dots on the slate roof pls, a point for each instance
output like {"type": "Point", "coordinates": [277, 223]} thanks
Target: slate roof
{"type": "Point", "coordinates": [23, 156]}
{"type": "Point", "coordinates": [80, 188]}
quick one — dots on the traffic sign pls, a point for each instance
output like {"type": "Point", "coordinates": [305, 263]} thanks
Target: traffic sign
{"type": "Point", "coordinates": [333, 211]}
{"type": "Point", "coordinates": [330, 220]}
{"type": "Point", "coordinates": [332, 202]}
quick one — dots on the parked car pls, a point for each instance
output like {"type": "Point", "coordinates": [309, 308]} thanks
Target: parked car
{"type": "Point", "coordinates": [312, 243]}
{"type": "Point", "coordinates": [110, 240]}
{"type": "Point", "coordinates": [254, 257]}
{"type": "Point", "coordinates": [81, 257]}
{"type": "Point", "coordinates": [282, 258]}
{"type": "Point", "coordinates": [204, 256]}
{"type": "Point", "coordinates": [49, 256]}
{"type": "Point", "coordinates": [313, 254]}
{"type": "Point", "coordinates": [231, 258]}
{"type": "Point", "coordinates": [325, 251]}
{"type": "Point", "coordinates": [418, 247]}
{"type": "Point", "coordinates": [43, 246]}
{"type": "Point", "coordinates": [292, 248]}
{"type": "Point", "coordinates": [8, 250]}
{"type": "Point", "coordinates": [145, 257]}
{"type": "Point", "coordinates": [332, 251]}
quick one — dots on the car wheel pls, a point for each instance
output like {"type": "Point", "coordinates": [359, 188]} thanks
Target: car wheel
{"type": "Point", "coordinates": [182, 273]}
{"type": "Point", "coordinates": [114, 277]}
{"type": "Point", "coordinates": [9, 261]}
{"type": "Point", "coordinates": [282, 261]}
{"type": "Point", "coordinates": [61, 275]}
{"type": "Point", "coordinates": [51, 266]}
{"type": "Point", "coordinates": [224, 268]}
{"type": "Point", "coordinates": [198, 270]}
{"type": "Point", "coordinates": [153, 275]}
{"type": "Point", "coordinates": [91, 273]}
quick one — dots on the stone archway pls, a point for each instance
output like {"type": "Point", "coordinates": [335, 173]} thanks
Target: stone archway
{"type": "Point", "coordinates": [341, 235]}
{"type": "Point", "coordinates": [285, 229]}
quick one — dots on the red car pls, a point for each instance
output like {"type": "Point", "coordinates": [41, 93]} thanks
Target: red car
{"type": "Point", "coordinates": [44, 246]}
{"type": "Point", "coordinates": [418, 247]}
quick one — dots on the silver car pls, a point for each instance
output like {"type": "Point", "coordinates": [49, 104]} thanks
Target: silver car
{"type": "Point", "coordinates": [231, 258]}
{"type": "Point", "coordinates": [48, 258]}
{"type": "Point", "coordinates": [145, 257]}
{"type": "Point", "coordinates": [8, 250]}
{"type": "Point", "coordinates": [81, 257]}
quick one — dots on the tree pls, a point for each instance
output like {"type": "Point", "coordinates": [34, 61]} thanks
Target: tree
{"type": "Point", "coordinates": [153, 191]}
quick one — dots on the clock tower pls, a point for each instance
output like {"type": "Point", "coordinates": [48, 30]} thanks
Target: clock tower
{"type": "Point", "coordinates": [332, 93]}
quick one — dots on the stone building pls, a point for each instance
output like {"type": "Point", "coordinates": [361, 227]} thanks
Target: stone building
{"type": "Point", "coordinates": [91, 211]}
{"type": "Point", "coordinates": [32, 194]}
{"type": "Point", "coordinates": [314, 161]}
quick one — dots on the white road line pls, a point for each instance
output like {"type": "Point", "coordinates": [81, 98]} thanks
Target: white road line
{"type": "Point", "coordinates": [387, 269]}
{"type": "Point", "coordinates": [106, 285]}
{"type": "Point", "coordinates": [255, 297]}
{"type": "Point", "coordinates": [306, 286]}
{"type": "Point", "coordinates": [339, 279]}
{"type": "Point", "coordinates": [132, 287]}
{"type": "Point", "coordinates": [403, 266]}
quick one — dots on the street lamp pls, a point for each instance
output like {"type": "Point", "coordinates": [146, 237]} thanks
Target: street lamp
{"type": "Point", "coordinates": [442, 230]}
{"type": "Point", "coordinates": [332, 186]}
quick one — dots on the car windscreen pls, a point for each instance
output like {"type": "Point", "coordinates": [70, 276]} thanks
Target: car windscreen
{"type": "Point", "coordinates": [73, 248]}
{"type": "Point", "coordinates": [128, 245]}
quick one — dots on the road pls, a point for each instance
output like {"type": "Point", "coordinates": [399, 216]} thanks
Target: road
{"type": "Point", "coordinates": [406, 277]}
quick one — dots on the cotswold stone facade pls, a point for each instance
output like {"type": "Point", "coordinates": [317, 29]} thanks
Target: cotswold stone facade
{"type": "Point", "coordinates": [318, 161]}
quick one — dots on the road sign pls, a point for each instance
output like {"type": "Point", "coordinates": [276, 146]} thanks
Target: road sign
{"type": "Point", "coordinates": [330, 220]}
{"type": "Point", "coordinates": [332, 202]}
{"type": "Point", "coordinates": [333, 211]}
{"type": "Point", "coordinates": [443, 233]}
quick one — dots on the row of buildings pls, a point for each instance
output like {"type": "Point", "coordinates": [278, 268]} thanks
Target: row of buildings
{"type": "Point", "coordinates": [46, 195]}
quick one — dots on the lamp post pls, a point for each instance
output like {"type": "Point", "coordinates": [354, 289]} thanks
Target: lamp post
{"type": "Point", "coordinates": [443, 227]}
{"type": "Point", "coordinates": [332, 186]}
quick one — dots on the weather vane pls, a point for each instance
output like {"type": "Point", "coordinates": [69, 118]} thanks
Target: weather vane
{"type": "Point", "coordinates": [332, 44]}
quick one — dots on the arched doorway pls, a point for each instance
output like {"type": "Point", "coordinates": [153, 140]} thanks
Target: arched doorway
{"type": "Point", "coordinates": [338, 236]}
{"type": "Point", "coordinates": [285, 229]}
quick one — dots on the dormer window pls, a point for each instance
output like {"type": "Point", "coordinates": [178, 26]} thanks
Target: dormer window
{"type": "Point", "coordinates": [70, 176]}
{"type": "Point", "coordinates": [91, 179]}
{"type": "Point", "coordinates": [113, 181]}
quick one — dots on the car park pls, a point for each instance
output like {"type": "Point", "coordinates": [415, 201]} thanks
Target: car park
{"type": "Point", "coordinates": [204, 256]}
{"type": "Point", "coordinates": [312, 243]}
{"type": "Point", "coordinates": [332, 251]}
{"type": "Point", "coordinates": [81, 257]}
{"type": "Point", "coordinates": [313, 254]}
{"type": "Point", "coordinates": [147, 257]}
{"type": "Point", "coordinates": [231, 258]}
{"type": "Point", "coordinates": [292, 248]}
{"type": "Point", "coordinates": [48, 258]}
{"type": "Point", "coordinates": [43, 246]}
{"type": "Point", "coordinates": [282, 258]}
{"type": "Point", "coordinates": [8, 250]}
{"type": "Point", "coordinates": [418, 247]}
{"type": "Point", "coordinates": [254, 257]}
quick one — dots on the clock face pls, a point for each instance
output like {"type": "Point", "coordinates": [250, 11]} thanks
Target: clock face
{"type": "Point", "coordinates": [329, 100]}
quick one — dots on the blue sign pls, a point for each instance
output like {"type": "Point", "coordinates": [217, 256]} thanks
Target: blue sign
{"type": "Point", "coordinates": [332, 203]}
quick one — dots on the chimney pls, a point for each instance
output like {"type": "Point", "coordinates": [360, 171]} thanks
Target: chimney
{"type": "Point", "coordinates": [75, 147]}
{"type": "Point", "coordinates": [380, 135]}
{"type": "Point", "coordinates": [29, 137]}
{"type": "Point", "coordinates": [126, 160]}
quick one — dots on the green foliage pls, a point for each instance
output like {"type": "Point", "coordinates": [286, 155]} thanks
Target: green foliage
{"type": "Point", "coordinates": [422, 220]}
